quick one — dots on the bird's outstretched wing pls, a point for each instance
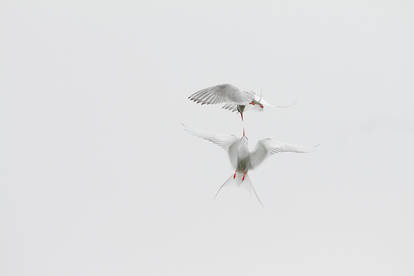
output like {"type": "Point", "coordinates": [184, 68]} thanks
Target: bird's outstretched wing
{"type": "Point", "coordinates": [268, 146]}
{"type": "Point", "coordinates": [230, 143]}
{"type": "Point", "coordinates": [223, 93]}
{"type": "Point", "coordinates": [231, 107]}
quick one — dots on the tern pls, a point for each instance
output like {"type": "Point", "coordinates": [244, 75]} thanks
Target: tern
{"type": "Point", "coordinates": [232, 97]}
{"type": "Point", "coordinates": [243, 160]}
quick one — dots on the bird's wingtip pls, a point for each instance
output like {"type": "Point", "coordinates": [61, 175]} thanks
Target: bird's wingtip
{"type": "Point", "coordinates": [184, 126]}
{"type": "Point", "coordinates": [315, 147]}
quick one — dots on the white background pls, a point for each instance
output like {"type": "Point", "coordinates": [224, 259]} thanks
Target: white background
{"type": "Point", "coordinates": [97, 176]}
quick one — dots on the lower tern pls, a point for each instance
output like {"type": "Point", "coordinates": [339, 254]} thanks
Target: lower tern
{"type": "Point", "coordinates": [243, 160]}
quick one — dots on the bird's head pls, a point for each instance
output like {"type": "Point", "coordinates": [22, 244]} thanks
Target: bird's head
{"type": "Point", "coordinates": [258, 103]}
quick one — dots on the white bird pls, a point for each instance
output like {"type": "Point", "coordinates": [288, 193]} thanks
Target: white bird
{"type": "Point", "coordinates": [243, 160]}
{"type": "Point", "coordinates": [232, 97]}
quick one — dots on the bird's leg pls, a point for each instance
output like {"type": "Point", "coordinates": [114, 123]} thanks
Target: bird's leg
{"type": "Point", "coordinates": [244, 175]}
{"type": "Point", "coordinates": [234, 176]}
{"type": "Point", "coordinates": [241, 114]}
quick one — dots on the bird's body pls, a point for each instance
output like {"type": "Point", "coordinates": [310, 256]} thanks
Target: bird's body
{"type": "Point", "coordinates": [232, 97]}
{"type": "Point", "coordinates": [243, 156]}
{"type": "Point", "coordinates": [243, 160]}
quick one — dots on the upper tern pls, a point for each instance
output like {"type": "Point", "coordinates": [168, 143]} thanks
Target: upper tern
{"type": "Point", "coordinates": [232, 97]}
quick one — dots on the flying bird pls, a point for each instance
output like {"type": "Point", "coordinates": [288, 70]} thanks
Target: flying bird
{"type": "Point", "coordinates": [232, 97]}
{"type": "Point", "coordinates": [243, 160]}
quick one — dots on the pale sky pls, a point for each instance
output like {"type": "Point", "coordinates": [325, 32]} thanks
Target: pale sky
{"type": "Point", "coordinates": [97, 176]}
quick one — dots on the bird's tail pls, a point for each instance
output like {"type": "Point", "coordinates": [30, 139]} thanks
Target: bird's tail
{"type": "Point", "coordinates": [228, 182]}
{"type": "Point", "coordinates": [238, 181]}
{"type": "Point", "coordinates": [286, 105]}
{"type": "Point", "coordinates": [248, 185]}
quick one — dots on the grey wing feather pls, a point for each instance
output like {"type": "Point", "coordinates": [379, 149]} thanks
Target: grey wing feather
{"type": "Point", "coordinates": [230, 143]}
{"type": "Point", "coordinates": [267, 147]}
{"type": "Point", "coordinates": [223, 93]}
{"type": "Point", "coordinates": [231, 107]}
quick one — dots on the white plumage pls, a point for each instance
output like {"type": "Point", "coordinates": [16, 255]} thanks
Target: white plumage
{"type": "Point", "coordinates": [223, 93]}
{"type": "Point", "coordinates": [243, 160]}
{"type": "Point", "coordinates": [232, 97]}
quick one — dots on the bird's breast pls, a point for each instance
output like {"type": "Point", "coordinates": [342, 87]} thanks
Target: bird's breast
{"type": "Point", "coordinates": [243, 164]}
